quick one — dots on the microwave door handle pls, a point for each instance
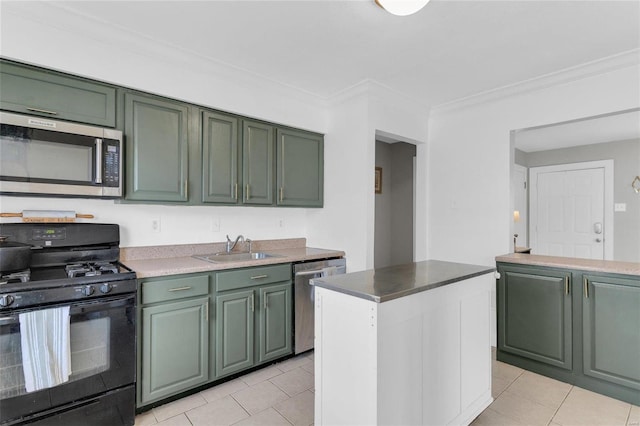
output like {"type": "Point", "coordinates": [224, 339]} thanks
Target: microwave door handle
{"type": "Point", "coordinates": [98, 160]}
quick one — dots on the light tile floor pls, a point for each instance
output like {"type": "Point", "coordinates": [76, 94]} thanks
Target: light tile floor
{"type": "Point", "coordinates": [282, 394]}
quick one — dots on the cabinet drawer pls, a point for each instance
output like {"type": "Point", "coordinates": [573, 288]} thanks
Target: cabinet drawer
{"type": "Point", "coordinates": [34, 92]}
{"type": "Point", "coordinates": [241, 278]}
{"type": "Point", "coordinates": [174, 288]}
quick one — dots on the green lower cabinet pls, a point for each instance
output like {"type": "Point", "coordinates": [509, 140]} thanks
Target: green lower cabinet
{"type": "Point", "coordinates": [175, 347]}
{"type": "Point", "coordinates": [253, 317]}
{"type": "Point", "coordinates": [611, 329]}
{"type": "Point", "coordinates": [535, 312]}
{"type": "Point", "coordinates": [234, 331]}
{"type": "Point", "coordinates": [274, 322]}
{"type": "Point", "coordinates": [576, 326]}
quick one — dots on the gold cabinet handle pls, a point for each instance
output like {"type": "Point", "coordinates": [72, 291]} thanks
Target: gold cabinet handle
{"type": "Point", "coordinates": [235, 191]}
{"type": "Point", "coordinates": [186, 189]}
{"type": "Point", "coordinates": [281, 194]}
{"type": "Point", "coordinates": [585, 285]}
{"type": "Point", "coordinates": [566, 285]}
{"type": "Point", "coordinates": [44, 111]}
{"type": "Point", "coordinates": [257, 277]}
{"type": "Point", "coordinates": [246, 192]}
{"type": "Point", "coordinates": [180, 288]}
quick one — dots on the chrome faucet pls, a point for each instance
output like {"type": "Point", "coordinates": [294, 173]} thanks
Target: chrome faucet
{"type": "Point", "coordinates": [231, 245]}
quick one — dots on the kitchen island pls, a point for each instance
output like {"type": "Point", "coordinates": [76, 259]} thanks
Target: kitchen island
{"type": "Point", "coordinates": [407, 344]}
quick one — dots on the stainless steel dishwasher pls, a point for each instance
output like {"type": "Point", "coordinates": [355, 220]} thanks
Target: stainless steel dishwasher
{"type": "Point", "coordinates": [303, 296]}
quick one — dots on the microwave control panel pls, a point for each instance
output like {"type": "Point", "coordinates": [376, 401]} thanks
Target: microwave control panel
{"type": "Point", "coordinates": [111, 163]}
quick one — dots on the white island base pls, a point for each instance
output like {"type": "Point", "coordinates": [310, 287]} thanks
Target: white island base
{"type": "Point", "coordinates": [421, 359]}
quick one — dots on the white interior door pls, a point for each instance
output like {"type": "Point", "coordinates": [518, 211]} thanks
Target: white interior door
{"type": "Point", "coordinates": [571, 209]}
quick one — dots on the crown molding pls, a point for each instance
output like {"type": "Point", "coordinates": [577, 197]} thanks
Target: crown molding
{"type": "Point", "coordinates": [630, 58]}
{"type": "Point", "coordinates": [369, 87]}
{"type": "Point", "coordinates": [64, 17]}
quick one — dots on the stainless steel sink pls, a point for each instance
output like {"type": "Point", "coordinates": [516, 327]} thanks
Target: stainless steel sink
{"type": "Point", "coordinates": [234, 257]}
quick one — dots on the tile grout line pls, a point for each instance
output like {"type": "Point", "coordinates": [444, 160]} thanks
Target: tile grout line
{"type": "Point", "coordinates": [561, 404]}
{"type": "Point", "coordinates": [629, 415]}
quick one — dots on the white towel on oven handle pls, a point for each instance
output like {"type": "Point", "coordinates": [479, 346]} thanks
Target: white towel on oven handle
{"type": "Point", "coordinates": [46, 347]}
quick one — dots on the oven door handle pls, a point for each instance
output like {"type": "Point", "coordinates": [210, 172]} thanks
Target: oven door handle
{"type": "Point", "coordinates": [8, 320]}
{"type": "Point", "coordinates": [101, 304]}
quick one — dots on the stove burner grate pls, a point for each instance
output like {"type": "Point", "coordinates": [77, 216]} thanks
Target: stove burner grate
{"type": "Point", "coordinates": [90, 269]}
{"type": "Point", "coordinates": [16, 277]}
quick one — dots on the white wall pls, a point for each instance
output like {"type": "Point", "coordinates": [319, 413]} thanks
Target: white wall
{"type": "Point", "coordinates": [469, 197]}
{"type": "Point", "coordinates": [139, 64]}
{"type": "Point", "coordinates": [355, 117]}
{"type": "Point", "coordinates": [349, 121]}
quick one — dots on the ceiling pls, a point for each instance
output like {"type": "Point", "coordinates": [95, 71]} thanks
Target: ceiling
{"type": "Point", "coordinates": [449, 50]}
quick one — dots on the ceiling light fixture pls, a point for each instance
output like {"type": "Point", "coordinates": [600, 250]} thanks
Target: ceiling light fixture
{"type": "Point", "coordinates": [401, 7]}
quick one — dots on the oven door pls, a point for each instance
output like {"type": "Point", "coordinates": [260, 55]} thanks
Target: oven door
{"type": "Point", "coordinates": [41, 156]}
{"type": "Point", "coordinates": [102, 335]}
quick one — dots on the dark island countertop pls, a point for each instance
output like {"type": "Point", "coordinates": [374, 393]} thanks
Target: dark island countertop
{"type": "Point", "coordinates": [384, 284]}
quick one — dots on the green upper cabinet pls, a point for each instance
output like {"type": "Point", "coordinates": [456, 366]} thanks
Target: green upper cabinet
{"type": "Point", "coordinates": [49, 94]}
{"type": "Point", "coordinates": [257, 163]}
{"type": "Point", "coordinates": [534, 311]}
{"type": "Point", "coordinates": [220, 158]}
{"type": "Point", "coordinates": [611, 329]}
{"type": "Point", "coordinates": [300, 171]}
{"type": "Point", "coordinates": [157, 143]}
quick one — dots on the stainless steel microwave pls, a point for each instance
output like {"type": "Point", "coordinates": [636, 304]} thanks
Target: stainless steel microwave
{"type": "Point", "coordinates": [40, 156]}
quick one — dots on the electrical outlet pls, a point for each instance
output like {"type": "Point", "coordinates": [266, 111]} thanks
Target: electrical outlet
{"type": "Point", "coordinates": [155, 224]}
{"type": "Point", "coordinates": [215, 224]}
{"type": "Point", "coordinates": [620, 207]}
{"type": "Point", "coordinates": [281, 223]}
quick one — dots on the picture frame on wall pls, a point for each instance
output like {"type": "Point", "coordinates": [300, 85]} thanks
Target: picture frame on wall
{"type": "Point", "coordinates": [378, 184]}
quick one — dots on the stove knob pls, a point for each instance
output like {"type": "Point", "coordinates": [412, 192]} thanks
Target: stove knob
{"type": "Point", "coordinates": [105, 288]}
{"type": "Point", "coordinates": [87, 290]}
{"type": "Point", "coordinates": [6, 300]}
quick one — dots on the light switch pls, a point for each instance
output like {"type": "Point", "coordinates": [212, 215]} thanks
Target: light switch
{"type": "Point", "coordinates": [620, 207]}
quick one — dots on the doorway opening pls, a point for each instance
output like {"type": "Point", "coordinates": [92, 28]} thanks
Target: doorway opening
{"type": "Point", "coordinates": [394, 202]}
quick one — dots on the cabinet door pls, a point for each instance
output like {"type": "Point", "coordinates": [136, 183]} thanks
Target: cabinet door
{"type": "Point", "coordinates": [274, 322]}
{"type": "Point", "coordinates": [611, 329]}
{"type": "Point", "coordinates": [300, 169]}
{"type": "Point", "coordinates": [234, 332]}
{"type": "Point", "coordinates": [156, 133]}
{"type": "Point", "coordinates": [219, 158]}
{"type": "Point", "coordinates": [257, 163]}
{"type": "Point", "coordinates": [175, 342]}
{"type": "Point", "coordinates": [534, 315]}
{"type": "Point", "coordinates": [37, 92]}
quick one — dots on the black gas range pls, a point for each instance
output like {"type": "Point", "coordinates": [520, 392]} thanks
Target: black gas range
{"type": "Point", "coordinates": [74, 266]}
